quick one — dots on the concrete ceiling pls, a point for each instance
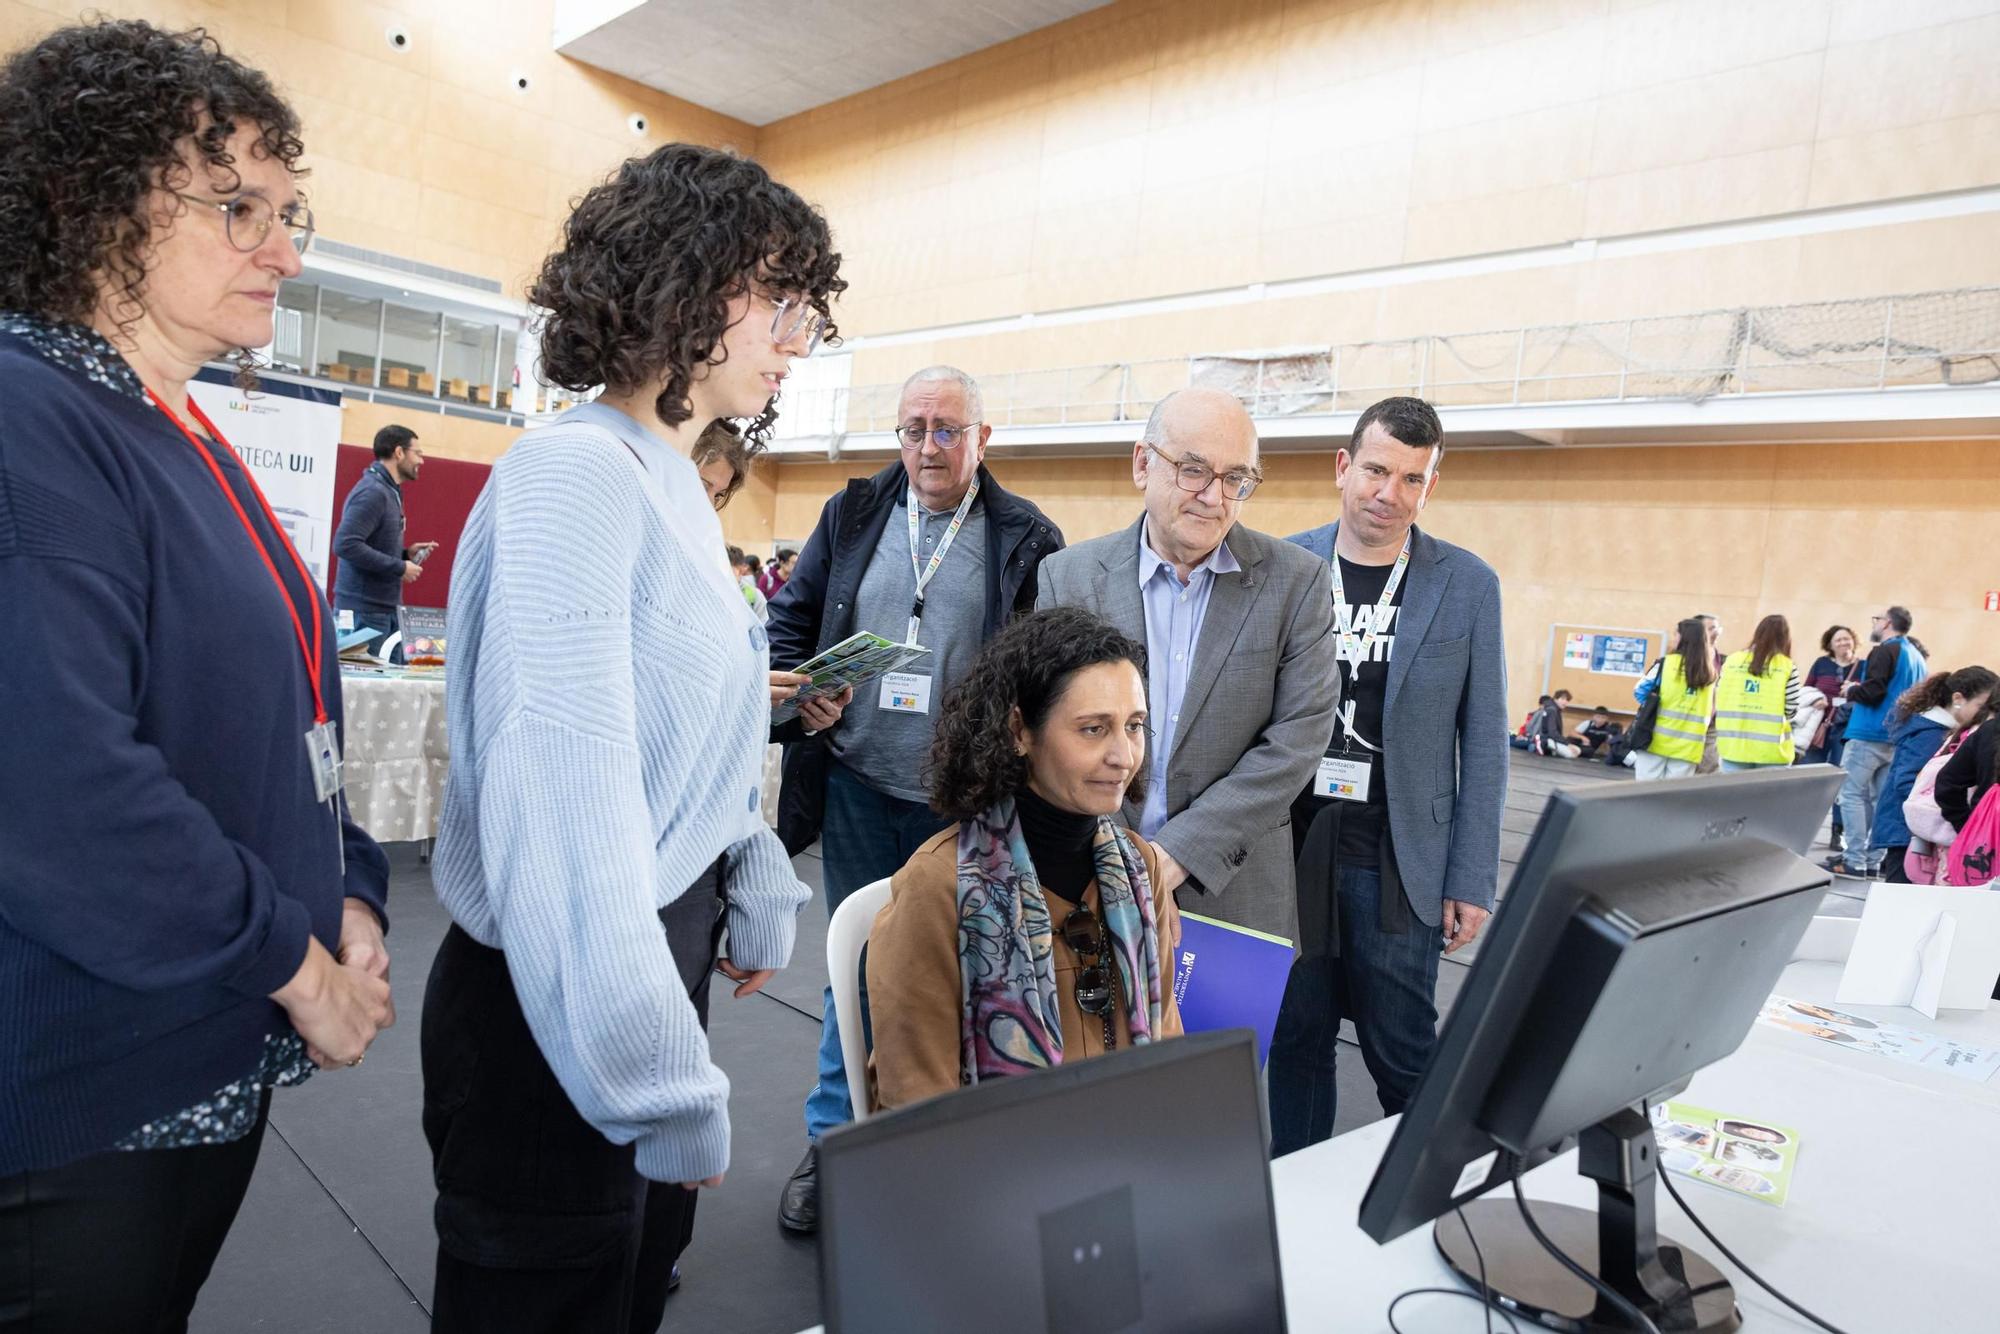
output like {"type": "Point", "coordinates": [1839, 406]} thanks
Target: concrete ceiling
{"type": "Point", "coordinates": [763, 60]}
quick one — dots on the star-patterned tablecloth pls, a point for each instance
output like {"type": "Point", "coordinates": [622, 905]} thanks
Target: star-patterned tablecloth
{"type": "Point", "coordinates": [396, 754]}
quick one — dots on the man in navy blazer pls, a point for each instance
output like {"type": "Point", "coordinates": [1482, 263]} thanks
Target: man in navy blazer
{"type": "Point", "coordinates": [1397, 838]}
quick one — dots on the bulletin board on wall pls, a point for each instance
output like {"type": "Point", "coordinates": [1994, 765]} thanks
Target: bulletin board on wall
{"type": "Point", "coordinates": [1599, 664]}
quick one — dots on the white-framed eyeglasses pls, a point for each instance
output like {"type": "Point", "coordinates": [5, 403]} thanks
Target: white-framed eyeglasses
{"type": "Point", "coordinates": [793, 315]}
{"type": "Point", "coordinates": [944, 437]}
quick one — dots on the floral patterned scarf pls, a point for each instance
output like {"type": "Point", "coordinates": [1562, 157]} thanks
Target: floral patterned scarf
{"type": "Point", "coordinates": [1011, 1021]}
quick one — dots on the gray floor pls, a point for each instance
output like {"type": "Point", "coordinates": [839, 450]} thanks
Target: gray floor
{"type": "Point", "coordinates": [336, 1232]}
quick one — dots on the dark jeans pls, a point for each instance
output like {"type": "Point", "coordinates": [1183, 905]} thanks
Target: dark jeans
{"type": "Point", "coordinates": [868, 836]}
{"type": "Point", "coordinates": [120, 1240]}
{"type": "Point", "coordinates": [543, 1224]}
{"type": "Point", "coordinates": [1386, 982]}
{"type": "Point", "coordinates": [383, 623]}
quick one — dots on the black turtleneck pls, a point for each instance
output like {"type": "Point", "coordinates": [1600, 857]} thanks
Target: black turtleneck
{"type": "Point", "coordinates": [1061, 843]}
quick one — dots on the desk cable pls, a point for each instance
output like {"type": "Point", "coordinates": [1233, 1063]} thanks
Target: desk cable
{"type": "Point", "coordinates": [1610, 1294]}
{"type": "Point", "coordinates": [1487, 1301]}
{"type": "Point", "coordinates": [1731, 1256]}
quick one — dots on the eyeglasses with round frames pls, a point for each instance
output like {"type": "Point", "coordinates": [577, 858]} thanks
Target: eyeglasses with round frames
{"type": "Point", "coordinates": [1193, 477]}
{"type": "Point", "coordinates": [944, 437]}
{"type": "Point", "coordinates": [248, 219]}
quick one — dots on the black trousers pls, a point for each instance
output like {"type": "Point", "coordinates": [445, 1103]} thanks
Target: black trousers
{"type": "Point", "coordinates": [119, 1240]}
{"type": "Point", "coordinates": [543, 1224]}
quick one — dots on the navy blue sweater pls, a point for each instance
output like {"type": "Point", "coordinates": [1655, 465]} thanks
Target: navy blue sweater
{"type": "Point", "coordinates": [162, 858]}
{"type": "Point", "coordinates": [369, 543]}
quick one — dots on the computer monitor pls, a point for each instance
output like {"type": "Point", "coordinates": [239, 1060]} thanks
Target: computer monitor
{"type": "Point", "coordinates": [1644, 928]}
{"type": "Point", "coordinates": [1132, 1191]}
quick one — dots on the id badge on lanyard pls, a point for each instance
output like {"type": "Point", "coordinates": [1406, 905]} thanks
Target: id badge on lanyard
{"type": "Point", "coordinates": [322, 744]}
{"type": "Point", "coordinates": [926, 573]}
{"type": "Point", "coordinates": [1347, 770]}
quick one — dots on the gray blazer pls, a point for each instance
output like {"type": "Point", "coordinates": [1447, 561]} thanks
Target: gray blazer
{"type": "Point", "coordinates": [1444, 724]}
{"type": "Point", "coordinates": [1241, 751]}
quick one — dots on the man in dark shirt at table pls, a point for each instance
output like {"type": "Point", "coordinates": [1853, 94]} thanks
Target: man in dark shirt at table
{"type": "Point", "coordinates": [374, 563]}
{"type": "Point", "coordinates": [1398, 837]}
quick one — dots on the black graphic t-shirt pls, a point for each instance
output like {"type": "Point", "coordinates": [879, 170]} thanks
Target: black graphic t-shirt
{"type": "Point", "coordinates": [1363, 683]}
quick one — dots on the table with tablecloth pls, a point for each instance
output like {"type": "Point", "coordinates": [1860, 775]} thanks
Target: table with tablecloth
{"type": "Point", "coordinates": [396, 753]}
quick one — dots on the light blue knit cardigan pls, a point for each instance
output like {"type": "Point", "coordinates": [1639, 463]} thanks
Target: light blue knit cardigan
{"type": "Point", "coordinates": [608, 711]}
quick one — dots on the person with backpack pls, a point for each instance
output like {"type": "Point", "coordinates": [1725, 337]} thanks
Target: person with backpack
{"type": "Point", "coordinates": [1684, 687]}
{"type": "Point", "coordinates": [1965, 792]}
{"type": "Point", "coordinates": [1756, 700]}
{"type": "Point", "coordinates": [1928, 714]}
{"type": "Point", "coordinates": [1543, 732]}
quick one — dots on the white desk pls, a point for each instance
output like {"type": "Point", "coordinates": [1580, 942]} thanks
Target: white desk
{"type": "Point", "coordinates": [1888, 1229]}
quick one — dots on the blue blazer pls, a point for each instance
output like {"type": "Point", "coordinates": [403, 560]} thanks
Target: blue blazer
{"type": "Point", "coordinates": [1444, 725]}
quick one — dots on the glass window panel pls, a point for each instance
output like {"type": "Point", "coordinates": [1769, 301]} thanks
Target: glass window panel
{"type": "Point", "coordinates": [509, 396]}
{"type": "Point", "coordinates": [349, 326]}
{"type": "Point", "coordinates": [409, 349]}
{"type": "Point", "coordinates": [292, 337]}
{"type": "Point", "coordinates": [468, 361]}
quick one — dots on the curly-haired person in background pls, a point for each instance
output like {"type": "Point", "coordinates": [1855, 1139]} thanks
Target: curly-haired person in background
{"type": "Point", "coordinates": [187, 916]}
{"type": "Point", "coordinates": [1035, 931]}
{"type": "Point", "coordinates": [609, 705]}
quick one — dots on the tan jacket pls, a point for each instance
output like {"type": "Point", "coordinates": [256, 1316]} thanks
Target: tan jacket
{"type": "Point", "coordinates": [915, 996]}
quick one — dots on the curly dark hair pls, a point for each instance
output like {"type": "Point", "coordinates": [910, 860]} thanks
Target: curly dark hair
{"type": "Point", "coordinates": [92, 119]}
{"type": "Point", "coordinates": [973, 764]}
{"type": "Point", "coordinates": [650, 260]}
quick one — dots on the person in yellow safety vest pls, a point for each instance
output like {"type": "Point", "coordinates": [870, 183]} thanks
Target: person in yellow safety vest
{"type": "Point", "coordinates": [1687, 706]}
{"type": "Point", "coordinates": [1757, 700]}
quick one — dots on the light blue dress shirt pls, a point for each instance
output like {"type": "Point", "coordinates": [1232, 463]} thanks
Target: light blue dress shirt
{"type": "Point", "coordinates": [1174, 613]}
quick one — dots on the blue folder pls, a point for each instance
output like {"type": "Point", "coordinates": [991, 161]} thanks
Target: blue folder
{"type": "Point", "coordinates": [1230, 977]}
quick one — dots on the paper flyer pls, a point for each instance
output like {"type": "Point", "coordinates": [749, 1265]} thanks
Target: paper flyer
{"type": "Point", "coordinates": [1908, 1045]}
{"type": "Point", "coordinates": [1748, 1157]}
{"type": "Point", "coordinates": [1229, 976]}
{"type": "Point", "coordinates": [854, 661]}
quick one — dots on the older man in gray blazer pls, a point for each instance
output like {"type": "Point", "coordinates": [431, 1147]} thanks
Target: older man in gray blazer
{"type": "Point", "coordinates": [1399, 833]}
{"type": "Point", "coordinates": [1240, 669]}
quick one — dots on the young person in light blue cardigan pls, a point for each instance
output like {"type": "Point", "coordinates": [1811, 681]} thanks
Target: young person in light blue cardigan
{"type": "Point", "coordinates": [609, 702]}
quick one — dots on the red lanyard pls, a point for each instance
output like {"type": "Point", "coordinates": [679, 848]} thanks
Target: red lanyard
{"type": "Point", "coordinates": [310, 656]}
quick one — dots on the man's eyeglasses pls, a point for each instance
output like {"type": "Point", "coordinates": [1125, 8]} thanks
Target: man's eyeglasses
{"type": "Point", "coordinates": [792, 315]}
{"type": "Point", "coordinates": [248, 219]}
{"type": "Point", "coordinates": [1194, 476]}
{"type": "Point", "coordinates": [944, 437]}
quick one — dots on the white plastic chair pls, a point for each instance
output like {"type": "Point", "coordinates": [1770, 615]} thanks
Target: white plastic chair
{"type": "Point", "coordinates": [846, 934]}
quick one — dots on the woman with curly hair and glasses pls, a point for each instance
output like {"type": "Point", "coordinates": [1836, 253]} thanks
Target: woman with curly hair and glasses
{"type": "Point", "coordinates": [608, 706]}
{"type": "Point", "coordinates": [187, 916]}
{"type": "Point", "coordinates": [1032, 932]}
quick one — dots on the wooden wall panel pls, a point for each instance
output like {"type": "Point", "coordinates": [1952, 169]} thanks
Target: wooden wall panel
{"type": "Point", "coordinates": [1821, 534]}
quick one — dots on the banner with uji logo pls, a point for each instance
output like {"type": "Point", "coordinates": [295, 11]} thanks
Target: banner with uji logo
{"type": "Point", "coordinates": [288, 436]}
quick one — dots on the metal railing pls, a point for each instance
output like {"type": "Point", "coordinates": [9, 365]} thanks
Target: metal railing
{"type": "Point", "coordinates": [1868, 344]}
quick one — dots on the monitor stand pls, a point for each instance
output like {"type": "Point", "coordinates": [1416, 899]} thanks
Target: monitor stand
{"type": "Point", "coordinates": [1677, 1288]}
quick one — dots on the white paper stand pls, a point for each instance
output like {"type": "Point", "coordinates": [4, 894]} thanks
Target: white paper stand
{"type": "Point", "coordinates": [1930, 947]}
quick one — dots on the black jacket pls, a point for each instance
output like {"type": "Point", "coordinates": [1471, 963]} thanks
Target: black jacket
{"type": "Point", "coordinates": [815, 608]}
{"type": "Point", "coordinates": [369, 543]}
{"type": "Point", "coordinates": [1968, 774]}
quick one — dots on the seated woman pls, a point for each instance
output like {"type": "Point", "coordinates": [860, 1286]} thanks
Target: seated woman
{"type": "Point", "coordinates": [1031, 932]}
